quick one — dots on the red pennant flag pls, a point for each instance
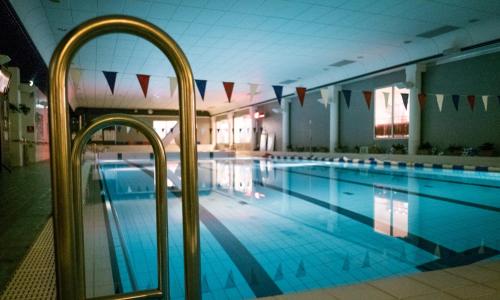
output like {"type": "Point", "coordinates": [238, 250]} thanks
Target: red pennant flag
{"type": "Point", "coordinates": [472, 101]}
{"type": "Point", "coordinates": [368, 98]}
{"type": "Point", "coordinates": [228, 86]}
{"type": "Point", "coordinates": [144, 82]}
{"type": "Point", "coordinates": [301, 93]}
{"type": "Point", "coordinates": [422, 98]}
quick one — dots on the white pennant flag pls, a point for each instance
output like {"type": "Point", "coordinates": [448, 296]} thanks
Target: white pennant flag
{"type": "Point", "coordinates": [253, 90]}
{"type": "Point", "coordinates": [386, 98]}
{"type": "Point", "coordinates": [324, 96]}
{"type": "Point", "coordinates": [75, 77]}
{"type": "Point", "coordinates": [439, 100]}
{"type": "Point", "coordinates": [485, 102]}
{"type": "Point", "coordinates": [173, 86]}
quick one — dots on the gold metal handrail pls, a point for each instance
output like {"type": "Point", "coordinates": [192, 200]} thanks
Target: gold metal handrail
{"type": "Point", "coordinates": [66, 183]}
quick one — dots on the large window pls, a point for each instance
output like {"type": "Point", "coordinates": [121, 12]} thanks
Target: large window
{"type": "Point", "coordinates": [392, 118]}
{"type": "Point", "coordinates": [242, 129]}
{"type": "Point", "coordinates": [222, 131]}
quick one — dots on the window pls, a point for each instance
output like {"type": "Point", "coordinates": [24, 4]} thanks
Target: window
{"type": "Point", "coordinates": [222, 131]}
{"type": "Point", "coordinates": [242, 129]}
{"type": "Point", "coordinates": [392, 117]}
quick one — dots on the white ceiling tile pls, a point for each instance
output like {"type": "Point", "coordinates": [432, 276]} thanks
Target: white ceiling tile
{"type": "Point", "coordinates": [162, 11]}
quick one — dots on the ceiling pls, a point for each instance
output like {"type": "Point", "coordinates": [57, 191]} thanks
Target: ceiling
{"type": "Point", "coordinates": [263, 42]}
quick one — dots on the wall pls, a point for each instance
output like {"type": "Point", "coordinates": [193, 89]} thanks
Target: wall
{"type": "Point", "coordinates": [356, 122]}
{"type": "Point", "coordinates": [315, 112]}
{"type": "Point", "coordinates": [476, 76]}
{"type": "Point", "coordinates": [134, 137]}
{"type": "Point", "coordinates": [271, 123]}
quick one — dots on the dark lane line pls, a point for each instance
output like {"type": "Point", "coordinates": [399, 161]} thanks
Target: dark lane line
{"type": "Point", "coordinates": [448, 257]}
{"type": "Point", "coordinates": [399, 190]}
{"type": "Point", "coordinates": [396, 174]}
{"type": "Point", "coordinates": [411, 239]}
{"type": "Point", "coordinates": [255, 275]}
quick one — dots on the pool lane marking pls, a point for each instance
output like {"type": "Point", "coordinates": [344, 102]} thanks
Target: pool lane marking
{"type": "Point", "coordinates": [246, 263]}
{"type": "Point", "coordinates": [396, 173]}
{"type": "Point", "coordinates": [399, 190]}
{"type": "Point", "coordinates": [115, 271]}
{"type": "Point", "coordinates": [412, 239]}
{"type": "Point", "coordinates": [128, 264]}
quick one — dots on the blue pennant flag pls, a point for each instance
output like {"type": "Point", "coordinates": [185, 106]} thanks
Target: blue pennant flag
{"type": "Point", "coordinates": [405, 99]}
{"type": "Point", "coordinates": [347, 97]}
{"type": "Point", "coordinates": [202, 85]}
{"type": "Point", "coordinates": [111, 79]}
{"type": "Point", "coordinates": [278, 90]}
{"type": "Point", "coordinates": [455, 99]}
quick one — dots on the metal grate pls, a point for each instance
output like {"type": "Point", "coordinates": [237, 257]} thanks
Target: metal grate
{"type": "Point", "coordinates": [36, 277]}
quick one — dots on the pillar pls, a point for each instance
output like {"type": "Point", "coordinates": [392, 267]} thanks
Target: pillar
{"type": "Point", "coordinates": [285, 124]}
{"type": "Point", "coordinates": [15, 126]}
{"type": "Point", "coordinates": [333, 95]}
{"type": "Point", "coordinates": [414, 76]}
{"type": "Point", "coordinates": [230, 119]}
{"type": "Point", "coordinates": [253, 128]}
{"type": "Point", "coordinates": [213, 131]}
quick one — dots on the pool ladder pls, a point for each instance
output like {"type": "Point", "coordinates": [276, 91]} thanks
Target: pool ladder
{"type": "Point", "coordinates": [66, 160]}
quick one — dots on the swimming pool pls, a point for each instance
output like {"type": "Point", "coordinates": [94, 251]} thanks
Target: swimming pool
{"type": "Point", "coordinates": [271, 227]}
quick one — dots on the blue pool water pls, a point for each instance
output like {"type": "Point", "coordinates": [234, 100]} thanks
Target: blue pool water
{"type": "Point", "coordinates": [271, 227]}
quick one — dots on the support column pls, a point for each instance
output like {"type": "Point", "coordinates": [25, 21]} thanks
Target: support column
{"type": "Point", "coordinates": [253, 128]}
{"type": "Point", "coordinates": [333, 98]}
{"type": "Point", "coordinates": [285, 124]}
{"type": "Point", "coordinates": [230, 119]}
{"type": "Point", "coordinates": [15, 126]}
{"type": "Point", "coordinates": [213, 132]}
{"type": "Point", "coordinates": [414, 75]}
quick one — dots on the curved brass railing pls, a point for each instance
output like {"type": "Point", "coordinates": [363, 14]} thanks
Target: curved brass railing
{"type": "Point", "coordinates": [67, 210]}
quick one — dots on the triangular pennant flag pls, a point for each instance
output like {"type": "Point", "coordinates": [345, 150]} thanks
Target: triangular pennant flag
{"type": "Point", "coordinates": [173, 85]}
{"type": "Point", "coordinates": [404, 96]}
{"type": "Point", "coordinates": [301, 93]}
{"type": "Point", "coordinates": [455, 99]}
{"type": "Point", "coordinates": [347, 97]}
{"type": "Point", "coordinates": [437, 251]}
{"type": "Point", "coordinates": [301, 270]}
{"type": "Point", "coordinates": [278, 91]}
{"type": "Point", "coordinates": [366, 261]}
{"type": "Point", "coordinates": [202, 85]}
{"type": "Point", "coordinates": [324, 96]}
{"type": "Point", "coordinates": [253, 278]}
{"type": "Point", "coordinates": [228, 86]}
{"type": "Point", "coordinates": [422, 98]}
{"type": "Point", "coordinates": [481, 247]}
{"type": "Point", "coordinates": [368, 98]}
{"type": "Point", "coordinates": [485, 102]}
{"type": "Point", "coordinates": [279, 273]}
{"type": "Point", "coordinates": [472, 101]}
{"type": "Point", "coordinates": [75, 77]}
{"type": "Point", "coordinates": [144, 82]}
{"type": "Point", "coordinates": [204, 285]}
{"type": "Point", "coordinates": [439, 100]}
{"type": "Point", "coordinates": [111, 79]}
{"type": "Point", "coordinates": [386, 98]}
{"type": "Point", "coordinates": [346, 265]}
{"type": "Point", "coordinates": [253, 90]}
{"type": "Point", "coordinates": [230, 281]}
